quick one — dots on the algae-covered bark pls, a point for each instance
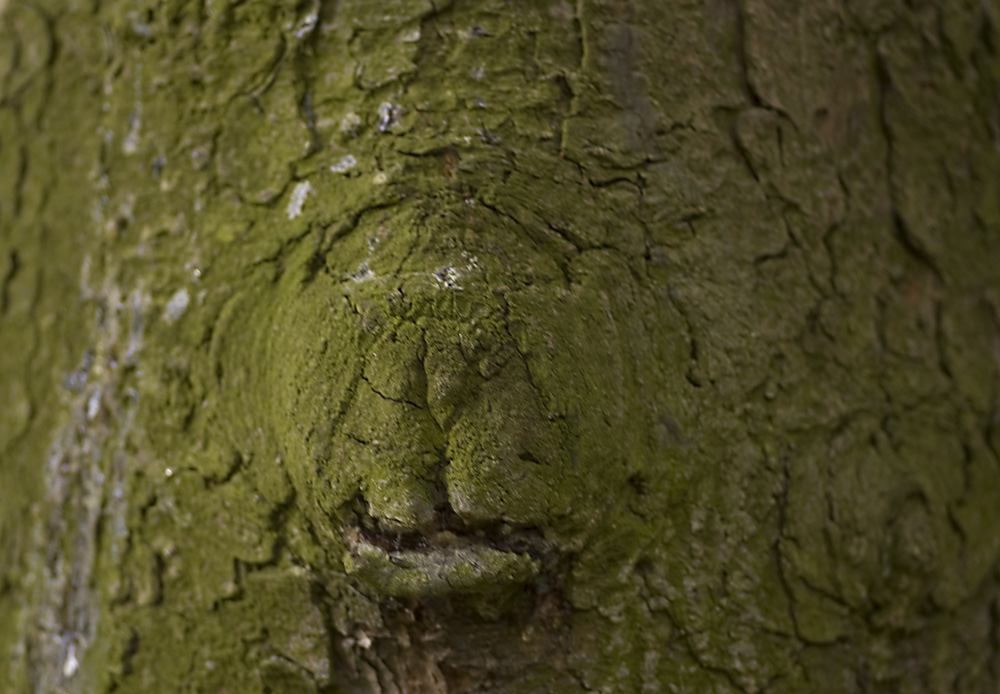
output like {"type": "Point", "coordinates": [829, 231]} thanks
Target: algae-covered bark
{"type": "Point", "coordinates": [427, 346]}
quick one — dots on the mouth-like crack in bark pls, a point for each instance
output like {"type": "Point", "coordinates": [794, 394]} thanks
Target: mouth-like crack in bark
{"type": "Point", "coordinates": [450, 558]}
{"type": "Point", "coordinates": [452, 533]}
{"type": "Point", "coordinates": [449, 532]}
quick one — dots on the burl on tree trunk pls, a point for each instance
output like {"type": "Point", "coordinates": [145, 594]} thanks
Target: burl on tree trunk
{"type": "Point", "coordinates": [487, 345]}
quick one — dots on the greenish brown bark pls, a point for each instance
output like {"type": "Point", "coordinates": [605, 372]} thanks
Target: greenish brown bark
{"type": "Point", "coordinates": [434, 346]}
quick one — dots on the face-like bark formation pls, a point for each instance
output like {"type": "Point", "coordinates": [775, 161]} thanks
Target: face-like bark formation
{"type": "Point", "coordinates": [432, 378]}
{"type": "Point", "coordinates": [614, 345]}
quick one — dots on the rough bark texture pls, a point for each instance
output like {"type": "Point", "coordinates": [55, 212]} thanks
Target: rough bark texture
{"type": "Point", "coordinates": [537, 346]}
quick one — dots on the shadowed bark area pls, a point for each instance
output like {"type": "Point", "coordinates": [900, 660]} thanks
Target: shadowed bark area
{"type": "Point", "coordinates": [534, 346]}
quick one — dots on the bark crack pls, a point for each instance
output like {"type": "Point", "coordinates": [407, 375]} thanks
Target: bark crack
{"type": "Point", "coordinates": [900, 227]}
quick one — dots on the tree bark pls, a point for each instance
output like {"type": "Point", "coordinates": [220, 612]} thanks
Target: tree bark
{"type": "Point", "coordinates": [534, 346]}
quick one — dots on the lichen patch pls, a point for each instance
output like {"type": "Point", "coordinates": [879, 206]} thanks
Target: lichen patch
{"type": "Point", "coordinates": [298, 199]}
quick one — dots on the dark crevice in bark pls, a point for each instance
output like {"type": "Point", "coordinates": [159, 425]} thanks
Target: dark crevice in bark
{"type": "Point", "coordinates": [781, 500]}
{"type": "Point", "coordinates": [431, 39]}
{"type": "Point", "coordinates": [539, 241]}
{"type": "Point", "coordinates": [277, 521]}
{"type": "Point", "coordinates": [267, 78]}
{"type": "Point", "coordinates": [131, 650]}
{"type": "Point", "coordinates": [945, 46]}
{"type": "Point", "coordinates": [694, 373]}
{"type": "Point", "coordinates": [941, 346]}
{"type": "Point", "coordinates": [728, 119]}
{"type": "Point", "coordinates": [159, 569]}
{"type": "Point", "coordinates": [497, 535]}
{"type": "Point", "coordinates": [305, 42]}
{"type": "Point", "coordinates": [22, 181]}
{"type": "Point", "coordinates": [323, 602]}
{"type": "Point", "coordinates": [236, 465]}
{"type": "Point", "coordinates": [333, 232]}
{"type": "Point", "coordinates": [383, 396]}
{"type": "Point", "coordinates": [900, 227]}
{"type": "Point", "coordinates": [994, 636]}
{"type": "Point", "coordinates": [908, 241]}
{"type": "Point", "coordinates": [742, 59]}
{"type": "Point", "coordinates": [13, 265]}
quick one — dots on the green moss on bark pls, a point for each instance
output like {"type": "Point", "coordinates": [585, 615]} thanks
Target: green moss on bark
{"type": "Point", "coordinates": [601, 346]}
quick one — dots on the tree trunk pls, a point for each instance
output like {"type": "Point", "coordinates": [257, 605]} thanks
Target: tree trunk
{"type": "Point", "coordinates": [534, 346]}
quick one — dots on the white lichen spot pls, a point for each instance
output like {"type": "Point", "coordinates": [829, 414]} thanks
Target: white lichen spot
{"type": "Point", "coordinates": [83, 484]}
{"type": "Point", "coordinates": [71, 663]}
{"type": "Point", "coordinates": [350, 123]}
{"type": "Point", "coordinates": [85, 276]}
{"type": "Point", "coordinates": [140, 28]}
{"type": "Point", "coordinates": [697, 518]}
{"type": "Point", "coordinates": [447, 276]}
{"type": "Point", "coordinates": [346, 163]}
{"type": "Point", "coordinates": [411, 35]}
{"type": "Point", "coordinates": [131, 142]}
{"type": "Point", "coordinates": [94, 405]}
{"type": "Point", "coordinates": [380, 178]}
{"type": "Point", "coordinates": [363, 274]}
{"type": "Point", "coordinates": [176, 306]}
{"type": "Point", "coordinates": [386, 112]}
{"type": "Point", "coordinates": [306, 26]}
{"type": "Point", "coordinates": [472, 261]}
{"type": "Point", "coordinates": [298, 199]}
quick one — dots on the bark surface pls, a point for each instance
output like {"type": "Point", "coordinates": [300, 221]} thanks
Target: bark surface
{"type": "Point", "coordinates": [478, 345]}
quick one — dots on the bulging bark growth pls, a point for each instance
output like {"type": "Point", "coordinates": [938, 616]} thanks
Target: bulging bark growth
{"type": "Point", "coordinates": [430, 346]}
